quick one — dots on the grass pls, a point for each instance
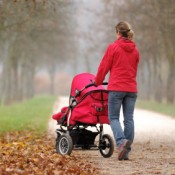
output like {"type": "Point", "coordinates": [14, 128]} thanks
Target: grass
{"type": "Point", "coordinates": [35, 113]}
{"type": "Point", "coordinates": [32, 115]}
{"type": "Point", "coordinates": [162, 108]}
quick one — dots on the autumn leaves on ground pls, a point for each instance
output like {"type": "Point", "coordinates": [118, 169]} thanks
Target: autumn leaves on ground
{"type": "Point", "coordinates": [24, 153]}
{"type": "Point", "coordinates": [32, 151]}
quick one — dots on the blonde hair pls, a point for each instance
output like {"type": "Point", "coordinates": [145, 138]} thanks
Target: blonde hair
{"type": "Point", "coordinates": [125, 29]}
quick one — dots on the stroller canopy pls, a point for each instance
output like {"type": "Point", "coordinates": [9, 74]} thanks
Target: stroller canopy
{"type": "Point", "coordinates": [81, 80]}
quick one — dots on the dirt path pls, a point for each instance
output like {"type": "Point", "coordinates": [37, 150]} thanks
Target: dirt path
{"type": "Point", "coordinates": [153, 150]}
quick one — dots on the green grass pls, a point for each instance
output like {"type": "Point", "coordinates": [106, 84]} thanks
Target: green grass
{"type": "Point", "coordinates": [32, 115]}
{"type": "Point", "coordinates": [162, 108]}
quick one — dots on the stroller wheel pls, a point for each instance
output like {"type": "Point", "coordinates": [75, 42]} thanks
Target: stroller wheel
{"type": "Point", "coordinates": [64, 144]}
{"type": "Point", "coordinates": [106, 146]}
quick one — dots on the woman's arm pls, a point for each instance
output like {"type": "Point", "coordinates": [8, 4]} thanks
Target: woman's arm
{"type": "Point", "coordinates": [104, 66]}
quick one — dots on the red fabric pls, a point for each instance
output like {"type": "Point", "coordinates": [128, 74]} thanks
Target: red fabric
{"type": "Point", "coordinates": [87, 110]}
{"type": "Point", "coordinates": [121, 59]}
{"type": "Point", "coordinates": [64, 109]}
{"type": "Point", "coordinates": [80, 81]}
{"type": "Point", "coordinates": [59, 115]}
{"type": "Point", "coordinates": [91, 110]}
{"type": "Point", "coordinates": [92, 104]}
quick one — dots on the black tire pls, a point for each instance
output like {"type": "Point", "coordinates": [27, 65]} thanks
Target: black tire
{"type": "Point", "coordinates": [64, 144]}
{"type": "Point", "coordinates": [106, 146]}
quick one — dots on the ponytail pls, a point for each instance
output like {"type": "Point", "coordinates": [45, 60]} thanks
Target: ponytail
{"type": "Point", "coordinates": [130, 34]}
{"type": "Point", "coordinates": [124, 29]}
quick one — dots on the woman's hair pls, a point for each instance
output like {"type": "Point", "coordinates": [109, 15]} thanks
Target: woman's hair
{"type": "Point", "coordinates": [124, 29]}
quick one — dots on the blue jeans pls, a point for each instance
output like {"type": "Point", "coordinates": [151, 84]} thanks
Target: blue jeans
{"type": "Point", "coordinates": [127, 101]}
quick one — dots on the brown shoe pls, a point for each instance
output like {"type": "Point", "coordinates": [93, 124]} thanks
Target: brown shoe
{"type": "Point", "coordinates": [126, 155]}
{"type": "Point", "coordinates": [123, 149]}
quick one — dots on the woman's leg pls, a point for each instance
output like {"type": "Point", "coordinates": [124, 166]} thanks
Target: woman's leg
{"type": "Point", "coordinates": [115, 100]}
{"type": "Point", "coordinates": [128, 112]}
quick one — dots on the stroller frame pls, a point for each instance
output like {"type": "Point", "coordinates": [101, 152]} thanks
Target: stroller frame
{"type": "Point", "coordinates": [78, 136]}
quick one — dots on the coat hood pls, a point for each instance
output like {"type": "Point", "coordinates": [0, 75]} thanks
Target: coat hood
{"type": "Point", "coordinates": [126, 44]}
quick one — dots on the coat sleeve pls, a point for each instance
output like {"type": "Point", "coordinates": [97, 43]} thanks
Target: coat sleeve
{"type": "Point", "coordinates": [105, 65]}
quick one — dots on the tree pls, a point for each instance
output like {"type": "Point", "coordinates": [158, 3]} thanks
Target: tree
{"type": "Point", "coordinates": [34, 34]}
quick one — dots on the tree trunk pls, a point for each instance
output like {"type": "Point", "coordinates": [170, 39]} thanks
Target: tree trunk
{"type": "Point", "coordinates": [31, 75]}
{"type": "Point", "coordinates": [141, 81]}
{"type": "Point", "coordinates": [27, 79]}
{"type": "Point", "coordinates": [171, 83]}
{"type": "Point", "coordinates": [6, 76]}
{"type": "Point", "coordinates": [149, 88]}
{"type": "Point", "coordinates": [14, 80]}
{"type": "Point", "coordinates": [6, 82]}
{"type": "Point", "coordinates": [157, 81]}
{"type": "Point", "coordinates": [170, 53]}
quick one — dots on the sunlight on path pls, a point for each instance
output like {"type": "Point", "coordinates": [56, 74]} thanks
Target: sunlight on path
{"type": "Point", "coordinates": [153, 125]}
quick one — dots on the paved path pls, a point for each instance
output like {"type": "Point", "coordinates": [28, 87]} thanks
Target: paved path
{"type": "Point", "coordinates": [153, 150]}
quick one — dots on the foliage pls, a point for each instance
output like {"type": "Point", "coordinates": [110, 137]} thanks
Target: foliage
{"type": "Point", "coordinates": [34, 36]}
{"type": "Point", "coordinates": [23, 153]}
{"type": "Point", "coordinates": [27, 115]}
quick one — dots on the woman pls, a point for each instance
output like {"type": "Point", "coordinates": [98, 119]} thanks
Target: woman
{"type": "Point", "coordinates": [121, 59]}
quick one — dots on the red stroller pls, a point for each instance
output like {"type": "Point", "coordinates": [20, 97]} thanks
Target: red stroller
{"type": "Point", "coordinates": [88, 107]}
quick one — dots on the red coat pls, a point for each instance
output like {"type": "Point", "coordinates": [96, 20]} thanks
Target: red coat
{"type": "Point", "coordinates": [121, 59]}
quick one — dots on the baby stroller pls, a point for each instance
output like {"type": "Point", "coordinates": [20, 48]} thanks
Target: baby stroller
{"type": "Point", "coordinates": [88, 108]}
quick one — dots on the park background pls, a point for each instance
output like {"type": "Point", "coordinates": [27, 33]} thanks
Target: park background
{"type": "Point", "coordinates": [45, 43]}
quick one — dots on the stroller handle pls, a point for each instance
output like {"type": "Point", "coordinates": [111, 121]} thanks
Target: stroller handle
{"type": "Point", "coordinates": [105, 83]}
{"type": "Point", "coordinates": [89, 85]}
{"type": "Point", "coordinates": [93, 84]}
{"type": "Point", "coordinates": [78, 92]}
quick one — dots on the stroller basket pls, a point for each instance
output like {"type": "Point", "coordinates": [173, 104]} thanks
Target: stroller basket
{"type": "Point", "coordinates": [83, 138]}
